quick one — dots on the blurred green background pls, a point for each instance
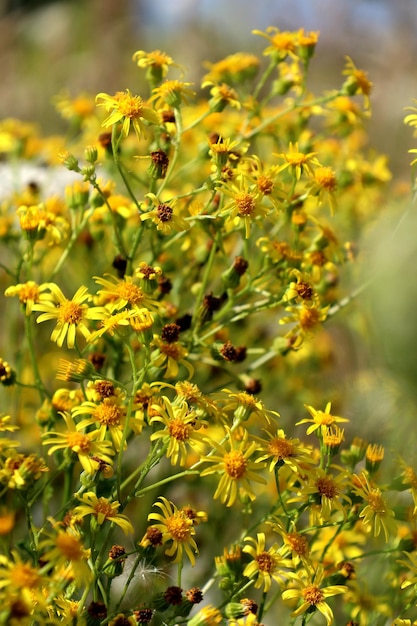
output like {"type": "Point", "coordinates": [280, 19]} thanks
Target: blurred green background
{"type": "Point", "coordinates": [47, 47]}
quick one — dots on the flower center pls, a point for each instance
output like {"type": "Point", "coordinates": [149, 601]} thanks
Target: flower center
{"type": "Point", "coordinates": [78, 442]}
{"type": "Point", "coordinates": [179, 430]}
{"type": "Point", "coordinates": [326, 178]}
{"type": "Point", "coordinates": [23, 575]}
{"type": "Point", "coordinates": [235, 464]}
{"type": "Point", "coordinates": [29, 292]}
{"type": "Point", "coordinates": [164, 213]}
{"type": "Point", "coordinates": [172, 350]}
{"type": "Point", "coordinates": [313, 595]}
{"type": "Point", "coordinates": [70, 547]}
{"type": "Point", "coordinates": [327, 487]}
{"type": "Point", "coordinates": [377, 503]}
{"type": "Point", "coordinates": [265, 562]}
{"type": "Point", "coordinates": [304, 290]}
{"type": "Point", "coordinates": [70, 312]}
{"type": "Point", "coordinates": [309, 319]}
{"type": "Point", "coordinates": [265, 185]}
{"type": "Point", "coordinates": [245, 204]}
{"type": "Point", "coordinates": [108, 414]}
{"type": "Point", "coordinates": [132, 293]}
{"type": "Point", "coordinates": [298, 544]}
{"type": "Point", "coordinates": [281, 448]}
{"type": "Point", "coordinates": [130, 106]}
{"type": "Point", "coordinates": [179, 527]}
{"type": "Point", "coordinates": [296, 158]}
{"type": "Point", "coordinates": [103, 509]}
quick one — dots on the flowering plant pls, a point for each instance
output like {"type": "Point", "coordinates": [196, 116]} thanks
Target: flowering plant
{"type": "Point", "coordinates": [207, 234]}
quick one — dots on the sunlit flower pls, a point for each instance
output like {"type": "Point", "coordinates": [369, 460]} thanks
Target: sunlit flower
{"type": "Point", "coordinates": [181, 429]}
{"type": "Point", "coordinates": [207, 616]}
{"type": "Point", "coordinates": [165, 216]}
{"type": "Point", "coordinates": [119, 293]}
{"type": "Point", "coordinates": [28, 293]}
{"type": "Point", "coordinates": [300, 290]}
{"type": "Point", "coordinates": [108, 416]}
{"type": "Point", "coordinates": [280, 450]}
{"type": "Point", "coordinates": [169, 356]}
{"type": "Point", "coordinates": [357, 81]}
{"type": "Point", "coordinates": [64, 551]}
{"type": "Point", "coordinates": [312, 594]}
{"type": "Point", "coordinates": [323, 185]}
{"type": "Point", "coordinates": [221, 96]}
{"type": "Point", "coordinates": [325, 491]}
{"type": "Point", "coordinates": [298, 161]}
{"type": "Point", "coordinates": [172, 92]}
{"type": "Point", "coordinates": [375, 513]}
{"type": "Point", "coordinates": [320, 419]}
{"type": "Point", "coordinates": [175, 526]}
{"type": "Point", "coordinates": [244, 405]}
{"type": "Point", "coordinates": [102, 510]}
{"type": "Point", "coordinates": [235, 468]}
{"type": "Point", "coordinates": [156, 62]}
{"type": "Point", "coordinates": [70, 314]}
{"type": "Point", "coordinates": [90, 452]}
{"type": "Point", "coordinates": [245, 205]}
{"type": "Point", "coordinates": [22, 578]}
{"type": "Point", "coordinates": [282, 43]}
{"type": "Point", "coordinates": [266, 565]}
{"type": "Point", "coordinates": [307, 320]}
{"type": "Point", "coordinates": [235, 68]}
{"type": "Point", "coordinates": [129, 110]}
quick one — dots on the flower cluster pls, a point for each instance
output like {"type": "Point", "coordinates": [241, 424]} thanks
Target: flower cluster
{"type": "Point", "coordinates": [162, 311]}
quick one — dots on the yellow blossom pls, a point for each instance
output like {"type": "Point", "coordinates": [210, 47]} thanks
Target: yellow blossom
{"type": "Point", "coordinates": [127, 109]}
{"type": "Point", "coordinates": [175, 526]}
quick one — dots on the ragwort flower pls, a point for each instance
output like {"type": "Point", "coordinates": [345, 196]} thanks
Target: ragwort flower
{"type": "Point", "coordinates": [312, 594]}
{"type": "Point", "coordinates": [181, 429]}
{"type": "Point", "coordinates": [127, 109]}
{"type": "Point", "coordinates": [175, 526]}
{"type": "Point", "coordinates": [245, 205]}
{"type": "Point", "coordinates": [102, 510]}
{"type": "Point", "coordinates": [108, 416]}
{"type": "Point", "coordinates": [156, 63]}
{"type": "Point", "coordinates": [375, 513]}
{"type": "Point", "coordinates": [321, 419]}
{"type": "Point", "coordinates": [70, 314]}
{"type": "Point", "coordinates": [235, 468]}
{"type": "Point", "coordinates": [90, 452]}
{"type": "Point", "coordinates": [266, 565]}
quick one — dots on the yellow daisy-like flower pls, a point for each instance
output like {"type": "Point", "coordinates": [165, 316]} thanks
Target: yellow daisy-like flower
{"type": "Point", "coordinates": [173, 93]}
{"type": "Point", "coordinates": [320, 419]}
{"type": "Point", "coordinates": [175, 526]}
{"type": "Point", "coordinates": [298, 161]}
{"type": "Point", "coordinates": [357, 81]}
{"type": "Point", "coordinates": [108, 416]}
{"type": "Point", "coordinates": [235, 68]}
{"type": "Point", "coordinates": [376, 512]}
{"type": "Point", "coordinates": [120, 293]}
{"type": "Point", "coordinates": [245, 204]}
{"type": "Point", "coordinates": [169, 356]}
{"type": "Point", "coordinates": [181, 429]}
{"type": "Point", "coordinates": [235, 468]}
{"type": "Point", "coordinates": [266, 565]}
{"type": "Point", "coordinates": [90, 452]}
{"type": "Point", "coordinates": [281, 450]}
{"type": "Point", "coordinates": [64, 552]}
{"type": "Point", "coordinates": [28, 293]}
{"type": "Point", "coordinates": [326, 490]}
{"type": "Point", "coordinates": [312, 594]}
{"type": "Point", "coordinates": [156, 62]}
{"type": "Point", "coordinates": [283, 43]}
{"type": "Point", "coordinates": [243, 405]}
{"type": "Point", "coordinates": [127, 109]}
{"type": "Point", "coordinates": [21, 578]}
{"type": "Point", "coordinates": [70, 314]}
{"type": "Point", "coordinates": [165, 216]}
{"type": "Point", "coordinates": [102, 510]}
{"type": "Point", "coordinates": [221, 96]}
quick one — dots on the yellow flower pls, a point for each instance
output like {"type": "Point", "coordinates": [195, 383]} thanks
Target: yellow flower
{"type": "Point", "coordinates": [169, 356]}
{"type": "Point", "coordinates": [283, 43]}
{"type": "Point", "coordinates": [120, 293]}
{"type": "Point", "coordinates": [324, 184]}
{"type": "Point", "coordinates": [107, 415]}
{"type": "Point", "coordinates": [173, 93]}
{"type": "Point", "coordinates": [127, 109]}
{"type": "Point", "coordinates": [156, 62]}
{"type": "Point", "coordinates": [280, 450]}
{"type": "Point", "coordinates": [298, 161]}
{"type": "Point", "coordinates": [175, 526]}
{"type": "Point", "coordinates": [28, 293]}
{"type": "Point", "coordinates": [221, 96]}
{"type": "Point", "coordinates": [70, 314]}
{"type": "Point", "coordinates": [243, 405]}
{"type": "Point", "coordinates": [312, 594]}
{"type": "Point", "coordinates": [63, 551]}
{"type": "Point", "coordinates": [91, 453]}
{"type": "Point", "coordinates": [326, 491]}
{"type": "Point", "coordinates": [375, 513]}
{"type": "Point", "coordinates": [321, 419]}
{"type": "Point", "coordinates": [181, 429]}
{"type": "Point", "coordinates": [300, 290]}
{"type": "Point", "coordinates": [235, 68]}
{"type": "Point", "coordinates": [307, 320]}
{"type": "Point", "coordinates": [235, 468]}
{"type": "Point", "coordinates": [266, 565]}
{"type": "Point", "coordinates": [245, 204]}
{"type": "Point", "coordinates": [165, 216]}
{"type": "Point", "coordinates": [357, 81]}
{"type": "Point", "coordinates": [102, 510]}
{"type": "Point", "coordinates": [207, 616]}
{"type": "Point", "coordinates": [21, 578]}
